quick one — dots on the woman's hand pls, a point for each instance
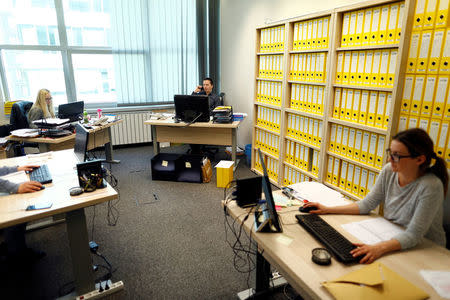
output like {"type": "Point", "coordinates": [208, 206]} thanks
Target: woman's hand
{"type": "Point", "coordinates": [29, 187]}
{"type": "Point", "coordinates": [369, 252]}
{"type": "Point", "coordinates": [321, 209]}
{"type": "Point", "coordinates": [27, 168]}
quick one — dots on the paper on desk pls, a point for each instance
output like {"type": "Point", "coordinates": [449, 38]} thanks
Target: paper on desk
{"type": "Point", "coordinates": [16, 177]}
{"type": "Point", "coordinates": [439, 280]}
{"type": "Point", "coordinates": [25, 132]}
{"type": "Point", "coordinates": [39, 158]}
{"type": "Point", "coordinates": [373, 231]}
{"type": "Point", "coordinates": [283, 201]}
{"type": "Point", "coordinates": [318, 192]}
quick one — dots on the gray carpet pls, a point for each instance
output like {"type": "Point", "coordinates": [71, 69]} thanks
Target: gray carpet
{"type": "Point", "coordinates": [170, 248]}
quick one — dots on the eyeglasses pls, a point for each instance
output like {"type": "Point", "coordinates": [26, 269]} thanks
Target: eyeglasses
{"type": "Point", "coordinates": [395, 157]}
{"type": "Point", "coordinates": [49, 99]}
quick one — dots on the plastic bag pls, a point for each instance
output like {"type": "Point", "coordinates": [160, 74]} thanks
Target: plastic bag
{"type": "Point", "coordinates": [206, 170]}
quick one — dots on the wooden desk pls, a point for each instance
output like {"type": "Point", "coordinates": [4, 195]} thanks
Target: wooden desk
{"type": "Point", "coordinates": [64, 174]}
{"type": "Point", "coordinates": [293, 260]}
{"type": "Point", "coordinates": [196, 133]}
{"type": "Point", "coordinates": [98, 136]}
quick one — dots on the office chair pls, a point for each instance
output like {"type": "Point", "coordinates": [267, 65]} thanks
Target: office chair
{"type": "Point", "coordinates": [18, 120]}
{"type": "Point", "coordinates": [211, 151]}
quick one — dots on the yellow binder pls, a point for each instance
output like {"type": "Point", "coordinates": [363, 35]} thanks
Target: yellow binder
{"type": "Point", "coordinates": [349, 105]}
{"type": "Point", "coordinates": [314, 34]}
{"type": "Point", "coordinates": [424, 123]}
{"type": "Point", "coordinates": [433, 131]}
{"type": "Point", "coordinates": [428, 96]}
{"type": "Point", "coordinates": [339, 66]}
{"type": "Point", "coordinates": [337, 102]}
{"type": "Point", "coordinates": [349, 181]}
{"type": "Point", "coordinates": [424, 52]}
{"type": "Point", "coordinates": [363, 183]}
{"type": "Point", "coordinates": [357, 148]}
{"type": "Point", "coordinates": [359, 27]}
{"type": "Point", "coordinates": [343, 175]}
{"type": "Point", "coordinates": [336, 171]}
{"type": "Point", "coordinates": [332, 138]}
{"type": "Point", "coordinates": [330, 170]}
{"type": "Point", "coordinates": [315, 167]}
{"type": "Point", "coordinates": [391, 68]}
{"type": "Point", "coordinates": [382, 81]}
{"type": "Point", "coordinates": [387, 111]}
{"type": "Point", "coordinates": [384, 19]}
{"type": "Point", "coordinates": [376, 12]}
{"type": "Point", "coordinates": [430, 14]}
{"type": "Point", "coordinates": [417, 97]}
{"type": "Point", "coordinates": [402, 123]}
{"type": "Point", "coordinates": [444, 66]}
{"type": "Point", "coordinates": [344, 141]}
{"type": "Point", "coordinates": [413, 122]}
{"type": "Point", "coordinates": [343, 105]}
{"type": "Point", "coordinates": [361, 65]}
{"type": "Point", "coordinates": [363, 107]}
{"type": "Point", "coordinates": [320, 132]}
{"type": "Point", "coordinates": [419, 14]}
{"type": "Point", "coordinates": [337, 147]}
{"type": "Point", "coordinates": [442, 14]}
{"type": "Point", "coordinates": [372, 148]}
{"type": "Point", "coordinates": [375, 73]}
{"type": "Point", "coordinates": [298, 154]}
{"type": "Point", "coordinates": [296, 36]}
{"type": "Point", "coordinates": [379, 158]}
{"type": "Point", "coordinates": [309, 34]}
{"type": "Point", "coordinates": [379, 117]}
{"type": "Point", "coordinates": [320, 96]}
{"type": "Point", "coordinates": [407, 93]}
{"type": "Point", "coordinates": [319, 44]}
{"type": "Point", "coordinates": [439, 99]}
{"type": "Point", "coordinates": [413, 52]}
{"type": "Point", "coordinates": [366, 28]}
{"type": "Point", "coordinates": [356, 105]}
{"type": "Point", "coordinates": [353, 68]}
{"type": "Point", "coordinates": [447, 106]}
{"type": "Point", "coordinates": [371, 110]}
{"type": "Point", "coordinates": [346, 67]}
{"type": "Point", "coordinates": [351, 143]}
{"type": "Point", "coordinates": [442, 139]}
{"type": "Point", "coordinates": [392, 25]}
{"type": "Point", "coordinates": [436, 50]}
{"type": "Point", "coordinates": [398, 30]}
{"type": "Point", "coordinates": [352, 29]}
{"type": "Point", "coordinates": [326, 24]}
{"type": "Point", "coordinates": [356, 180]}
{"type": "Point", "coordinates": [364, 147]}
{"type": "Point", "coordinates": [345, 27]}
{"type": "Point", "coordinates": [368, 68]}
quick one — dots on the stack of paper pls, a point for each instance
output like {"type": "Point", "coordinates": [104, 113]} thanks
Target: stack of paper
{"type": "Point", "coordinates": [318, 192]}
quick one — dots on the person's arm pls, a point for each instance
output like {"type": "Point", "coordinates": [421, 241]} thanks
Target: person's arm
{"type": "Point", "coordinates": [349, 209]}
{"type": "Point", "coordinates": [7, 186]}
{"type": "Point", "coordinates": [34, 114]}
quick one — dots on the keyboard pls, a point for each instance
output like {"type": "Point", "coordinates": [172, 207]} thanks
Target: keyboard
{"type": "Point", "coordinates": [41, 175]}
{"type": "Point", "coordinates": [329, 237]}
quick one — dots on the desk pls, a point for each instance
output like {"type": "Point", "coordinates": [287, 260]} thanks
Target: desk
{"type": "Point", "coordinates": [196, 133]}
{"type": "Point", "coordinates": [61, 165]}
{"type": "Point", "coordinates": [98, 136]}
{"type": "Point", "coordinates": [293, 260]}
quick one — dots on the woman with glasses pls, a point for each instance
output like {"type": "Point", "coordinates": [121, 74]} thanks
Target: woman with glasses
{"type": "Point", "coordinates": [42, 108]}
{"type": "Point", "coordinates": [412, 187]}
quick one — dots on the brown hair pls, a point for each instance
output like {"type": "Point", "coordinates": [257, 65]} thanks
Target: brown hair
{"type": "Point", "coordinates": [419, 143]}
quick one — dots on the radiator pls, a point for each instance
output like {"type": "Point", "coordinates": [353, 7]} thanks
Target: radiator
{"type": "Point", "coordinates": [132, 130]}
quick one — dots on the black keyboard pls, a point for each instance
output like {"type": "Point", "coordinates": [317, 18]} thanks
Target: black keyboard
{"type": "Point", "coordinates": [328, 236]}
{"type": "Point", "coordinates": [41, 175]}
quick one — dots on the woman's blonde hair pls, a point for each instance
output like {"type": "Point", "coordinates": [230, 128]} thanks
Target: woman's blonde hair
{"type": "Point", "coordinates": [48, 110]}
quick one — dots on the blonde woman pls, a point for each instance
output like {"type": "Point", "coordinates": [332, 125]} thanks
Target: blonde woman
{"type": "Point", "coordinates": [42, 108]}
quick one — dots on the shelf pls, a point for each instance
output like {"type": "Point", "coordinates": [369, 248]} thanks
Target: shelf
{"type": "Point", "coordinates": [269, 79]}
{"type": "Point", "coordinates": [268, 130]}
{"type": "Point", "coordinates": [369, 47]}
{"type": "Point", "coordinates": [309, 174]}
{"type": "Point", "coordinates": [364, 87]}
{"type": "Point", "coordinates": [308, 51]}
{"type": "Point", "coordinates": [270, 53]}
{"type": "Point", "coordinates": [340, 190]}
{"type": "Point", "coordinates": [359, 126]}
{"type": "Point", "coordinates": [267, 105]}
{"type": "Point", "coordinates": [262, 174]}
{"type": "Point", "coordinates": [308, 82]}
{"type": "Point", "coordinates": [303, 113]}
{"type": "Point", "coordinates": [355, 162]}
{"type": "Point", "coordinates": [303, 143]}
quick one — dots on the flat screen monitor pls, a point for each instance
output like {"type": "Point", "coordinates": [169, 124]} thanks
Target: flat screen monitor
{"type": "Point", "coordinates": [192, 108]}
{"type": "Point", "coordinates": [273, 215]}
{"type": "Point", "coordinates": [72, 111]}
{"type": "Point", "coordinates": [81, 142]}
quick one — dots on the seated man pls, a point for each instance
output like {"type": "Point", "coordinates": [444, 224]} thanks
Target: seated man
{"type": "Point", "coordinates": [206, 89]}
{"type": "Point", "coordinates": [15, 236]}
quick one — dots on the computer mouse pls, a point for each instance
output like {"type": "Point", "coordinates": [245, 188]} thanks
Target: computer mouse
{"type": "Point", "coordinates": [304, 209]}
{"type": "Point", "coordinates": [75, 191]}
{"type": "Point", "coordinates": [43, 187]}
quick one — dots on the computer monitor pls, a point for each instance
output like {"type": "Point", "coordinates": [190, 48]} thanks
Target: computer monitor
{"type": "Point", "coordinates": [192, 108]}
{"type": "Point", "coordinates": [81, 142]}
{"type": "Point", "coordinates": [72, 111]}
{"type": "Point", "coordinates": [271, 222]}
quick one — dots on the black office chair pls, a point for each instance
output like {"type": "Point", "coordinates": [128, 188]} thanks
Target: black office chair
{"type": "Point", "coordinates": [18, 120]}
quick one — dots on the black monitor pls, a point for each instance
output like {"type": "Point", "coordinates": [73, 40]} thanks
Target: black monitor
{"type": "Point", "coordinates": [192, 108]}
{"type": "Point", "coordinates": [72, 111]}
{"type": "Point", "coordinates": [81, 142]}
{"type": "Point", "coordinates": [273, 222]}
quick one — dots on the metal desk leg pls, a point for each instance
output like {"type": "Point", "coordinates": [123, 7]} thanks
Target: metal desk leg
{"type": "Point", "coordinates": [43, 147]}
{"type": "Point", "coordinates": [109, 150]}
{"type": "Point", "coordinates": [154, 139]}
{"type": "Point", "coordinates": [262, 273]}
{"type": "Point", "coordinates": [79, 250]}
{"type": "Point", "coordinates": [234, 145]}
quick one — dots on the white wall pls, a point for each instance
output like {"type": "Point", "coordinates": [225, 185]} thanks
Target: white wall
{"type": "Point", "coordinates": [238, 22]}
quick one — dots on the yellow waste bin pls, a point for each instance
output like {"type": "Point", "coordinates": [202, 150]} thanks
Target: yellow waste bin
{"type": "Point", "coordinates": [224, 170]}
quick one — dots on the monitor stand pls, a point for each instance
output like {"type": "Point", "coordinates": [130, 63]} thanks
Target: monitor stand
{"type": "Point", "coordinates": [262, 220]}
